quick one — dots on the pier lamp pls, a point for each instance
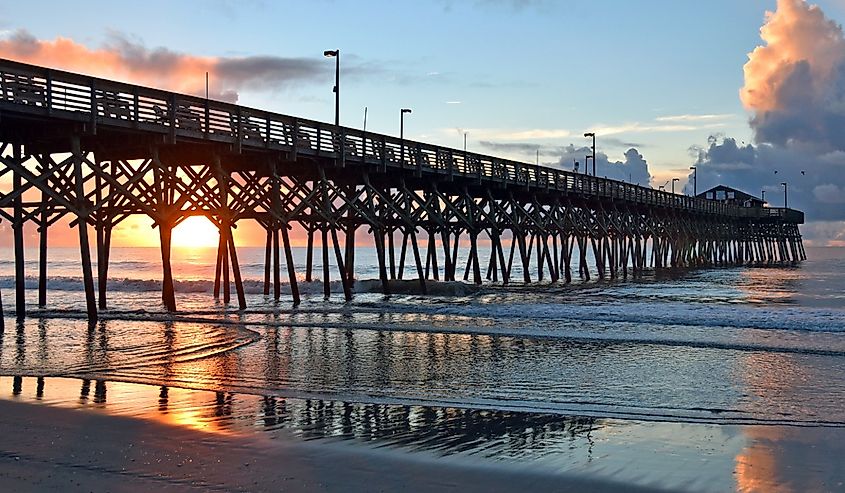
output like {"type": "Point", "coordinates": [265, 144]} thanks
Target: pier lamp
{"type": "Point", "coordinates": [673, 184]}
{"type": "Point", "coordinates": [402, 122]}
{"type": "Point", "coordinates": [785, 202]}
{"type": "Point", "coordinates": [402, 132]}
{"type": "Point", "coordinates": [336, 55]}
{"type": "Point", "coordinates": [694, 181]}
{"type": "Point", "coordinates": [593, 156]}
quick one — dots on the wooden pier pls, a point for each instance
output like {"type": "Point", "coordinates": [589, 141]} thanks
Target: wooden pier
{"type": "Point", "coordinates": [99, 151]}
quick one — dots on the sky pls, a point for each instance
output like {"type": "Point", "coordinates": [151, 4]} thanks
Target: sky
{"type": "Point", "coordinates": [665, 84]}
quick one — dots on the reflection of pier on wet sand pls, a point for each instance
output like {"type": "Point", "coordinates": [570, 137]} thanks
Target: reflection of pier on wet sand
{"type": "Point", "coordinates": [186, 440]}
{"type": "Point", "coordinates": [56, 449]}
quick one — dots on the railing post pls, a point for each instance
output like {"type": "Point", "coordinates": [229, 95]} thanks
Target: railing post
{"type": "Point", "coordinates": [239, 142]}
{"type": "Point", "coordinates": [49, 98]}
{"type": "Point", "coordinates": [136, 104]}
{"type": "Point", "coordinates": [172, 112]}
{"type": "Point", "coordinates": [93, 106]}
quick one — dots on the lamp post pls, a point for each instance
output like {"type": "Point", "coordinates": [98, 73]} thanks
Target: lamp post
{"type": "Point", "coordinates": [336, 55]}
{"type": "Point", "coordinates": [694, 181]}
{"type": "Point", "coordinates": [673, 184]}
{"type": "Point", "coordinates": [593, 156]}
{"type": "Point", "coordinates": [465, 142]}
{"type": "Point", "coordinates": [785, 202]}
{"type": "Point", "coordinates": [402, 132]}
{"type": "Point", "coordinates": [402, 122]}
{"type": "Point", "coordinates": [763, 196]}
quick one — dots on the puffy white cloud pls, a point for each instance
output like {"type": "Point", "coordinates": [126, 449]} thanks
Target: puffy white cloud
{"type": "Point", "coordinates": [795, 90]}
{"type": "Point", "coordinates": [634, 169]}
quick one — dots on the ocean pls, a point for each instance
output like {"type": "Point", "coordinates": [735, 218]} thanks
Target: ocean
{"type": "Point", "coordinates": [549, 374]}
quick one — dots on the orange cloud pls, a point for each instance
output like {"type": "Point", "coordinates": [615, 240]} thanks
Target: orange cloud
{"type": "Point", "coordinates": [798, 37]}
{"type": "Point", "coordinates": [127, 60]}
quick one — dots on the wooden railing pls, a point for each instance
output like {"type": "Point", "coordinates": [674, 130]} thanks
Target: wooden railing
{"type": "Point", "coordinates": [99, 102]}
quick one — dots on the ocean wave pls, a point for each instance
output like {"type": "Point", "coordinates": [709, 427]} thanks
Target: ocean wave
{"type": "Point", "coordinates": [251, 286]}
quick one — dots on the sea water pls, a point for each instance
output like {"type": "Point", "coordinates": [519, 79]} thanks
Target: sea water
{"type": "Point", "coordinates": [530, 366]}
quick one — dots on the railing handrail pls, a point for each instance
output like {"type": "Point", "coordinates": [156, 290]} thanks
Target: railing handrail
{"type": "Point", "coordinates": [102, 101]}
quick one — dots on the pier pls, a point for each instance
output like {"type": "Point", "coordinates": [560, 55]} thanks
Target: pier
{"type": "Point", "coordinates": [98, 151]}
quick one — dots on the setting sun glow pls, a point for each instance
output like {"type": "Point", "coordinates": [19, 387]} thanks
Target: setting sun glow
{"type": "Point", "coordinates": [196, 231]}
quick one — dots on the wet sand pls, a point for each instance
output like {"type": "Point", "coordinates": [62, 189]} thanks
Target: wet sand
{"type": "Point", "coordinates": [53, 449]}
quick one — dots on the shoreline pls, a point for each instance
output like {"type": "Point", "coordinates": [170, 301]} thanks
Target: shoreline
{"type": "Point", "coordinates": [112, 436]}
{"type": "Point", "coordinates": [49, 448]}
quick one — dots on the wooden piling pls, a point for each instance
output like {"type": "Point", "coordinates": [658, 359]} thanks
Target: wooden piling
{"type": "Point", "coordinates": [309, 255]}
{"type": "Point", "coordinates": [294, 287]}
{"type": "Point", "coordinates": [277, 288]}
{"type": "Point", "coordinates": [17, 227]}
{"type": "Point", "coordinates": [168, 294]}
{"type": "Point", "coordinates": [268, 251]}
{"type": "Point", "coordinates": [82, 225]}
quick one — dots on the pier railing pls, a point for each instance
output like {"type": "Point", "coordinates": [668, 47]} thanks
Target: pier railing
{"type": "Point", "coordinates": [99, 102]}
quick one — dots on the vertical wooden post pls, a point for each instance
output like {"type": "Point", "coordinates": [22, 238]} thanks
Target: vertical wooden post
{"type": "Point", "coordinates": [500, 252]}
{"type": "Point", "coordinates": [327, 288]}
{"type": "Point", "coordinates": [236, 271]}
{"type": "Point", "coordinates": [341, 268]}
{"type": "Point", "coordinates": [294, 287]}
{"type": "Point", "coordinates": [42, 244]}
{"type": "Point", "coordinates": [524, 255]}
{"type": "Point", "coordinates": [268, 246]}
{"type": "Point", "coordinates": [168, 295]}
{"type": "Point", "coordinates": [447, 257]}
{"type": "Point", "coordinates": [378, 233]}
{"type": "Point", "coordinates": [276, 264]}
{"type": "Point", "coordinates": [218, 266]}
{"type": "Point", "coordinates": [391, 252]}
{"type": "Point", "coordinates": [476, 268]}
{"type": "Point", "coordinates": [455, 245]}
{"type": "Point", "coordinates": [417, 260]}
{"type": "Point", "coordinates": [309, 253]}
{"type": "Point", "coordinates": [402, 254]}
{"type": "Point", "coordinates": [103, 255]}
{"type": "Point", "coordinates": [20, 287]}
{"type": "Point", "coordinates": [349, 244]}
{"type": "Point", "coordinates": [82, 224]}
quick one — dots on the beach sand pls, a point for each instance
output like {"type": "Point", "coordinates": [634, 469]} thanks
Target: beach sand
{"type": "Point", "coordinates": [53, 449]}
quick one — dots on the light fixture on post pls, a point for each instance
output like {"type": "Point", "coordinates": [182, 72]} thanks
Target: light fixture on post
{"type": "Point", "coordinates": [694, 180]}
{"type": "Point", "coordinates": [336, 55]}
{"type": "Point", "coordinates": [402, 133]}
{"type": "Point", "coordinates": [593, 156]}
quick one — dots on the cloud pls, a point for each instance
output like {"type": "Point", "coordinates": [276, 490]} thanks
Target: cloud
{"type": "Point", "coordinates": [754, 168]}
{"type": "Point", "coordinates": [695, 118]}
{"type": "Point", "coordinates": [829, 194]}
{"type": "Point", "coordinates": [795, 90]}
{"type": "Point", "coordinates": [638, 127]}
{"type": "Point", "coordinates": [528, 134]}
{"type": "Point", "coordinates": [634, 169]}
{"type": "Point", "coordinates": [531, 148]}
{"type": "Point", "coordinates": [122, 58]}
{"type": "Point", "coordinates": [795, 82]}
{"type": "Point", "coordinates": [526, 148]}
{"type": "Point", "coordinates": [824, 233]}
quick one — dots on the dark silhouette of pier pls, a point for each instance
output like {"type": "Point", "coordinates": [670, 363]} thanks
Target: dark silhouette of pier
{"type": "Point", "coordinates": [99, 151]}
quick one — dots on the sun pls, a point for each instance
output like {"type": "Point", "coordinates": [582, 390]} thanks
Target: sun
{"type": "Point", "coordinates": [195, 232]}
